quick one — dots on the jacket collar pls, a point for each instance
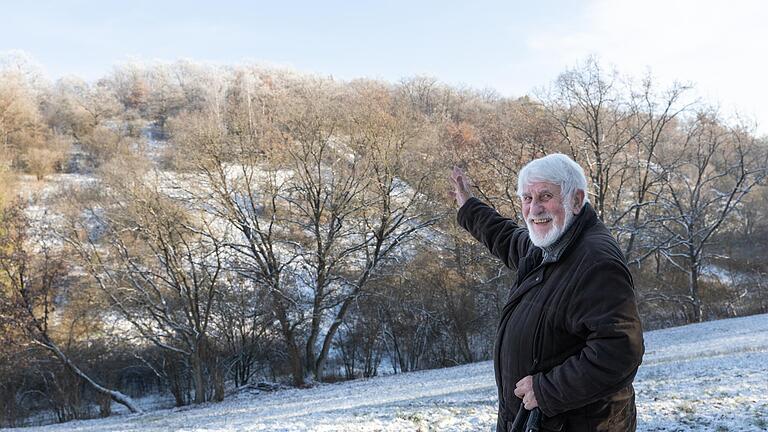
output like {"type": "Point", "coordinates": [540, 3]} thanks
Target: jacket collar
{"type": "Point", "coordinates": [583, 220]}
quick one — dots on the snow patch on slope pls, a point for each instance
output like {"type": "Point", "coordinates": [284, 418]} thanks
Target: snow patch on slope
{"type": "Point", "coordinates": [708, 376]}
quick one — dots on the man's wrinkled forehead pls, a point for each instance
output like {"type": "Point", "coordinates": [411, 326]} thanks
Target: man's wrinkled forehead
{"type": "Point", "coordinates": [536, 188]}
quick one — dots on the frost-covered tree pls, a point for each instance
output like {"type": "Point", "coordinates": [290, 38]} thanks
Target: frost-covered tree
{"type": "Point", "coordinates": [31, 274]}
{"type": "Point", "coordinates": [159, 264]}
{"type": "Point", "coordinates": [710, 173]}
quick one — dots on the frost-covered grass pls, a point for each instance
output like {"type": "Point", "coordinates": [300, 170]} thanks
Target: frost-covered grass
{"type": "Point", "coordinates": [703, 377]}
{"type": "Point", "coordinates": [710, 376]}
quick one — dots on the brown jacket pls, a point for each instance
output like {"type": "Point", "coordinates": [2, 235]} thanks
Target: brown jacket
{"type": "Point", "coordinates": [570, 321]}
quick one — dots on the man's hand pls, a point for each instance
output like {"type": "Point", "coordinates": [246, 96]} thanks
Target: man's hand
{"type": "Point", "coordinates": [460, 190]}
{"type": "Point", "coordinates": [524, 390]}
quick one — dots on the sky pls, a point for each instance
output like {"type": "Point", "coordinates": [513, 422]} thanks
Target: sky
{"type": "Point", "coordinates": [513, 47]}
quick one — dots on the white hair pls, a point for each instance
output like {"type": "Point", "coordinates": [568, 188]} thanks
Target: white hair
{"type": "Point", "coordinates": [558, 169]}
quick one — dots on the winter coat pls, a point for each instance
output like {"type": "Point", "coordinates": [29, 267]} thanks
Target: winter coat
{"type": "Point", "coordinates": [570, 321]}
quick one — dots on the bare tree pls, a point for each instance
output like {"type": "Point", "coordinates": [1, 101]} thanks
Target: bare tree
{"type": "Point", "coordinates": [85, 106]}
{"type": "Point", "coordinates": [47, 158]}
{"type": "Point", "coordinates": [7, 186]}
{"type": "Point", "coordinates": [718, 167]}
{"type": "Point", "coordinates": [356, 203]}
{"type": "Point", "coordinates": [28, 285]}
{"type": "Point", "coordinates": [20, 121]}
{"type": "Point", "coordinates": [131, 86]}
{"type": "Point", "coordinates": [313, 226]}
{"type": "Point", "coordinates": [244, 326]}
{"type": "Point", "coordinates": [654, 123]}
{"type": "Point", "coordinates": [237, 154]}
{"type": "Point", "coordinates": [595, 124]}
{"type": "Point", "coordinates": [159, 265]}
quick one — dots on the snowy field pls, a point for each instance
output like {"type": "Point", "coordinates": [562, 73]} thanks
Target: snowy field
{"type": "Point", "coordinates": [703, 377]}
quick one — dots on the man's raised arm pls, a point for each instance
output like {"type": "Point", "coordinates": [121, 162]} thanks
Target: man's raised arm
{"type": "Point", "coordinates": [502, 236]}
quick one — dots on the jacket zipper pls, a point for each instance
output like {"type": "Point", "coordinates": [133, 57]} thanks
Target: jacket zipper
{"type": "Point", "coordinates": [503, 322]}
{"type": "Point", "coordinates": [536, 341]}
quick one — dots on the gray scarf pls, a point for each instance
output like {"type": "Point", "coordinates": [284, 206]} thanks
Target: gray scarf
{"type": "Point", "coordinates": [553, 252]}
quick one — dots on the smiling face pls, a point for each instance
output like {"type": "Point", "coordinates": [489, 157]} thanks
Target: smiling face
{"type": "Point", "coordinates": [547, 213]}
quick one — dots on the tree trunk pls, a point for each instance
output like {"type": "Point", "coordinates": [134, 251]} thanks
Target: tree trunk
{"type": "Point", "coordinates": [177, 391]}
{"type": "Point", "coordinates": [197, 377]}
{"type": "Point", "coordinates": [313, 364]}
{"type": "Point", "coordinates": [218, 384]}
{"type": "Point", "coordinates": [464, 349]}
{"type": "Point", "coordinates": [319, 364]}
{"type": "Point", "coordinates": [116, 396]}
{"type": "Point", "coordinates": [693, 285]}
{"type": "Point", "coordinates": [105, 406]}
{"type": "Point", "coordinates": [297, 369]}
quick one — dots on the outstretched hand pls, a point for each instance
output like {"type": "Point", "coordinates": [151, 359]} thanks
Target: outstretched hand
{"type": "Point", "coordinates": [460, 192]}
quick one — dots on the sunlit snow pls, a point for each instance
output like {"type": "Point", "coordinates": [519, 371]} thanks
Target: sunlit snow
{"type": "Point", "coordinates": [702, 377]}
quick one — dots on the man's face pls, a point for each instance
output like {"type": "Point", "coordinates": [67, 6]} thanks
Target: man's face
{"type": "Point", "coordinates": [545, 212]}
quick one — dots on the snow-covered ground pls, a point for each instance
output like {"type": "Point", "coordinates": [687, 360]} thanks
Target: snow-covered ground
{"type": "Point", "coordinates": [703, 377]}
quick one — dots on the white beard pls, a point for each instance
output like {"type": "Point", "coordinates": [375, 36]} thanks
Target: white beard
{"type": "Point", "coordinates": [553, 234]}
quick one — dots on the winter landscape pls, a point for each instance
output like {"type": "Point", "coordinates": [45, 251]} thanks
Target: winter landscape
{"type": "Point", "coordinates": [251, 224]}
{"type": "Point", "coordinates": [699, 377]}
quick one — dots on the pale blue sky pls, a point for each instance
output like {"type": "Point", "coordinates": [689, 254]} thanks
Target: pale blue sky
{"type": "Point", "coordinates": [480, 43]}
{"type": "Point", "coordinates": [510, 46]}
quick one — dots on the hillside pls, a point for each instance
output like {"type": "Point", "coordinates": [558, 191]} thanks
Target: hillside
{"type": "Point", "coordinates": [709, 376]}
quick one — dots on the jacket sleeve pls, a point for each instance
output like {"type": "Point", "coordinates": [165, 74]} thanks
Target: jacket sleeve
{"type": "Point", "coordinates": [502, 236]}
{"type": "Point", "coordinates": [602, 312]}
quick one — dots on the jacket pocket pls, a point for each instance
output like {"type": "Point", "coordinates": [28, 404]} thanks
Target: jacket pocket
{"type": "Point", "coordinates": [553, 424]}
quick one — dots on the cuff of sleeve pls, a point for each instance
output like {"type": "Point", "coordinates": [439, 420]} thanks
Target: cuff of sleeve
{"type": "Point", "coordinates": [537, 391]}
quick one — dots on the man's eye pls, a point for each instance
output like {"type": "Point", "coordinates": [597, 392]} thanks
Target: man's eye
{"type": "Point", "coordinates": [527, 199]}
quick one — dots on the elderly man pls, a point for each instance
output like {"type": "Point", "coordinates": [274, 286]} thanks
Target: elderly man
{"type": "Point", "coordinates": [570, 341]}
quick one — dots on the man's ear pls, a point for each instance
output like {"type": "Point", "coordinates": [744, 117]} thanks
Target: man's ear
{"type": "Point", "coordinates": [578, 201]}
